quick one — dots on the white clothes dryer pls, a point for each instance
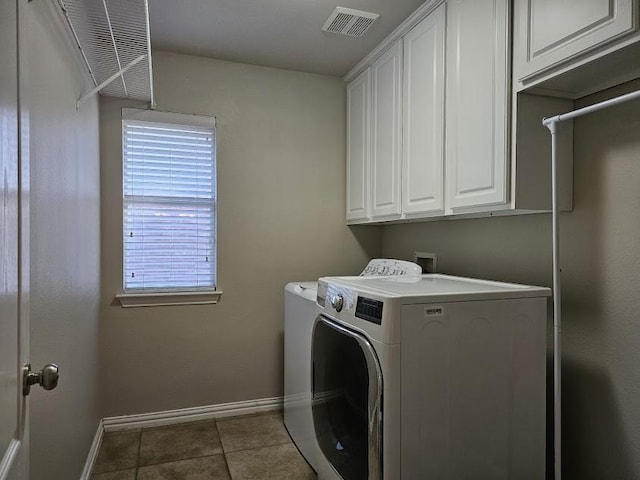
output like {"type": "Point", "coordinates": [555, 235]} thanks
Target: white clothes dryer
{"type": "Point", "coordinates": [429, 377]}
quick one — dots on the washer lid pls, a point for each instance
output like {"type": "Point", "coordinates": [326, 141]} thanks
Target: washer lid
{"type": "Point", "coordinates": [437, 288]}
{"type": "Point", "coordinates": [308, 290]}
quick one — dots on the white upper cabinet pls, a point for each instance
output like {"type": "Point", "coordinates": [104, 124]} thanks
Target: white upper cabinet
{"type": "Point", "coordinates": [549, 32]}
{"type": "Point", "coordinates": [358, 147]}
{"type": "Point", "coordinates": [477, 103]}
{"type": "Point", "coordinates": [386, 128]}
{"type": "Point", "coordinates": [423, 139]}
{"type": "Point", "coordinates": [445, 134]}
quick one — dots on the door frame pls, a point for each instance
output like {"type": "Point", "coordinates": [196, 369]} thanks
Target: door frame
{"type": "Point", "coordinates": [15, 464]}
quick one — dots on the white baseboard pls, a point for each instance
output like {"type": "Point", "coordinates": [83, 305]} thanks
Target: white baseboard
{"type": "Point", "coordinates": [6, 462]}
{"type": "Point", "coordinates": [208, 412]}
{"type": "Point", "coordinates": [172, 417]}
{"type": "Point", "coordinates": [93, 452]}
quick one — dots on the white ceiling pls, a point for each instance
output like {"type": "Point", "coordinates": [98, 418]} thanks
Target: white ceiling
{"type": "Point", "coordinates": [275, 33]}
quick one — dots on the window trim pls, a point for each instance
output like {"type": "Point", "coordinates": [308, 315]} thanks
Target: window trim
{"type": "Point", "coordinates": [166, 296]}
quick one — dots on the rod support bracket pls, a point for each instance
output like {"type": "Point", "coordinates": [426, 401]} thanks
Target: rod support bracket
{"type": "Point", "coordinates": [551, 123]}
{"type": "Point", "coordinates": [119, 73]}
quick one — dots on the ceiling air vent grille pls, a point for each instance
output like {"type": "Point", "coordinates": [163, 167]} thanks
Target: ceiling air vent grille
{"type": "Point", "coordinates": [347, 21]}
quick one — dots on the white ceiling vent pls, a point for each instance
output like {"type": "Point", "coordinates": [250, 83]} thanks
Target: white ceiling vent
{"type": "Point", "coordinates": [347, 21]}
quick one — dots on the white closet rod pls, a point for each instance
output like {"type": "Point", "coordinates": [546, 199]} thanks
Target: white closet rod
{"type": "Point", "coordinates": [552, 124]}
{"type": "Point", "coordinates": [152, 101]}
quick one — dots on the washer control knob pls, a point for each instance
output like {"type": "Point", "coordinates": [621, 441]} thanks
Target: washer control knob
{"type": "Point", "coordinates": [337, 302]}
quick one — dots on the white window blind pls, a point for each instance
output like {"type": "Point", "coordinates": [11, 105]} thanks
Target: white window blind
{"type": "Point", "coordinates": [169, 206]}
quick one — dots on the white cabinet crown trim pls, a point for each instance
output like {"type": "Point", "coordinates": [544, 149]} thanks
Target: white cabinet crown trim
{"type": "Point", "coordinates": [416, 17]}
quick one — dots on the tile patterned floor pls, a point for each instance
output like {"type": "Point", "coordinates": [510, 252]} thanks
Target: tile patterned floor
{"type": "Point", "coordinates": [251, 447]}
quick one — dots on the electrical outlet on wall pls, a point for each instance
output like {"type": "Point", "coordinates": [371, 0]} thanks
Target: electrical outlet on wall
{"type": "Point", "coordinates": [428, 261]}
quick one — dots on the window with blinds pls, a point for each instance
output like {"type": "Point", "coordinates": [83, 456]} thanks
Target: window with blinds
{"type": "Point", "coordinates": [169, 190]}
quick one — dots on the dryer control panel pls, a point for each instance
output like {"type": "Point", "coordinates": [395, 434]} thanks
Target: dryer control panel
{"type": "Point", "coordinates": [342, 300]}
{"type": "Point", "coordinates": [330, 295]}
{"type": "Point", "coordinates": [369, 309]}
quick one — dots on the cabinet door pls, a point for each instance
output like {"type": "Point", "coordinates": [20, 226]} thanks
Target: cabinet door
{"type": "Point", "coordinates": [477, 102]}
{"type": "Point", "coordinates": [551, 31]}
{"type": "Point", "coordinates": [423, 107]}
{"type": "Point", "coordinates": [358, 147]}
{"type": "Point", "coordinates": [386, 117]}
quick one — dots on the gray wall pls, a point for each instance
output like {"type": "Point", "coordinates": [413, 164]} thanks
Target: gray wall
{"type": "Point", "coordinates": [601, 264]}
{"type": "Point", "coordinates": [65, 248]}
{"type": "Point", "coordinates": [281, 197]}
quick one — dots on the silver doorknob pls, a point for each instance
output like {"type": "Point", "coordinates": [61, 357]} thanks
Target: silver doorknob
{"type": "Point", "coordinates": [47, 378]}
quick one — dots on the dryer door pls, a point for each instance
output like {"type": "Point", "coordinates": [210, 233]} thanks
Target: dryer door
{"type": "Point", "coordinates": [347, 400]}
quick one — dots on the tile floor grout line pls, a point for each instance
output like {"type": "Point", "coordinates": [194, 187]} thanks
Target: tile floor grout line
{"type": "Point", "coordinates": [220, 438]}
{"type": "Point", "coordinates": [226, 465]}
{"type": "Point", "coordinates": [224, 455]}
{"type": "Point", "coordinates": [180, 459]}
{"type": "Point", "coordinates": [263, 446]}
{"type": "Point", "coordinates": [177, 426]}
{"type": "Point", "coordinates": [138, 456]}
{"type": "Point", "coordinates": [278, 413]}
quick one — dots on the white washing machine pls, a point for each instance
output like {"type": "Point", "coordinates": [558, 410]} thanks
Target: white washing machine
{"type": "Point", "coordinates": [429, 377]}
{"type": "Point", "coordinates": [300, 314]}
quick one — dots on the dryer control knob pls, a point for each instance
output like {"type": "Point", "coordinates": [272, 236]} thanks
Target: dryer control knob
{"type": "Point", "coordinates": [337, 302]}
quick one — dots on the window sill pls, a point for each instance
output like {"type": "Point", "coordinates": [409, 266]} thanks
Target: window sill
{"type": "Point", "coordinates": [157, 299]}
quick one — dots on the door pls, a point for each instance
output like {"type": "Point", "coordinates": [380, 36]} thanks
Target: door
{"type": "Point", "coordinates": [346, 400]}
{"type": "Point", "coordinates": [423, 110]}
{"type": "Point", "coordinates": [477, 103]}
{"type": "Point", "coordinates": [550, 32]}
{"type": "Point", "coordinates": [386, 146]}
{"type": "Point", "coordinates": [358, 147]}
{"type": "Point", "coordinates": [13, 327]}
